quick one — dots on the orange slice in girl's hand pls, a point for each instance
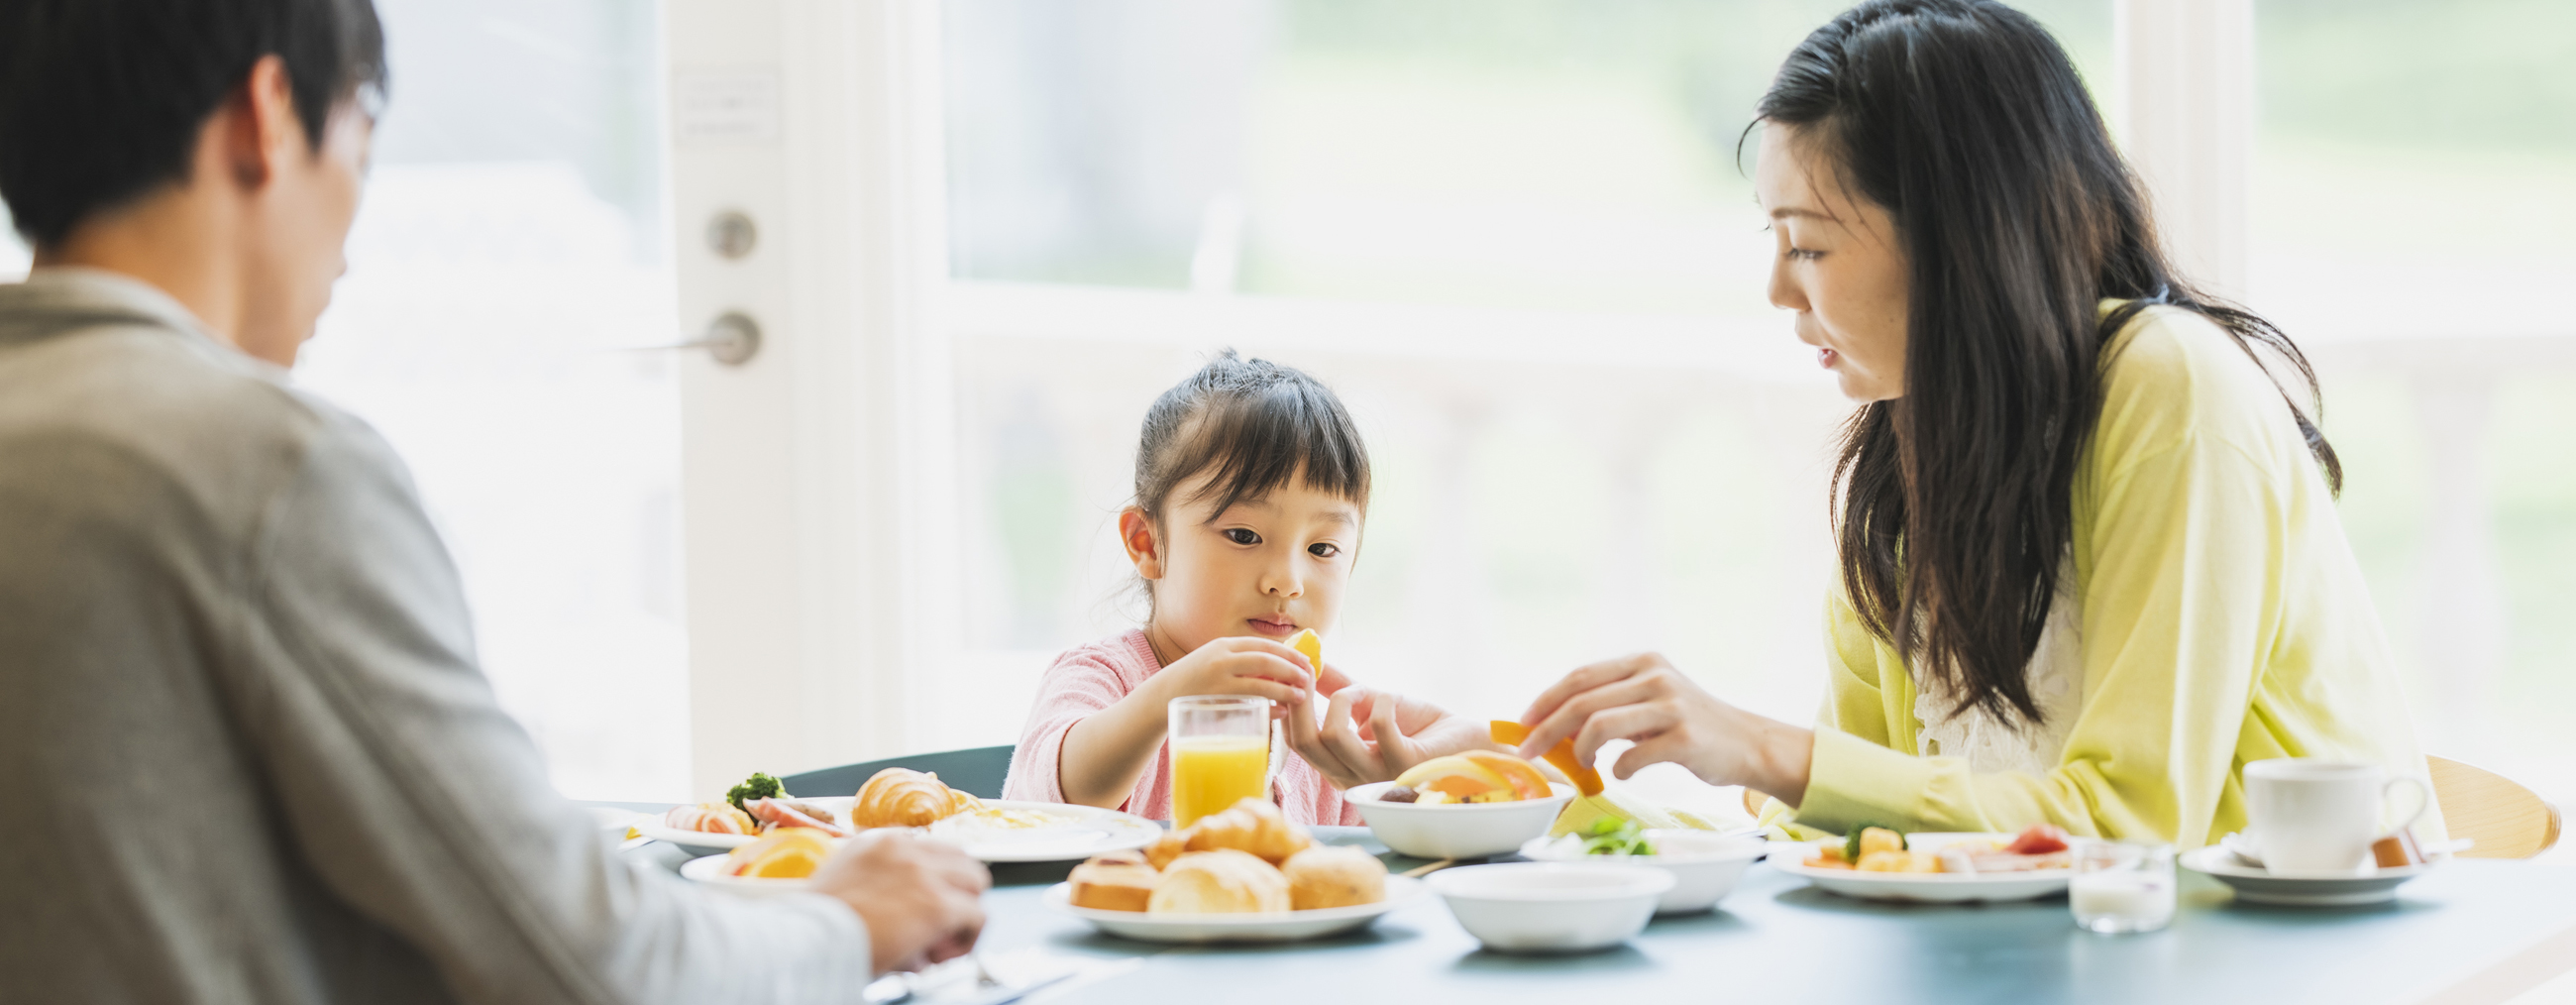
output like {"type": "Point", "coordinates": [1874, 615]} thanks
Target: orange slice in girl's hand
{"type": "Point", "coordinates": [1585, 779]}
{"type": "Point", "coordinates": [1306, 642]}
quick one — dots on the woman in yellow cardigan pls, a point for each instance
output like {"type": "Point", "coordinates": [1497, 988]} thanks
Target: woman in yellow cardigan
{"type": "Point", "coordinates": [2090, 561]}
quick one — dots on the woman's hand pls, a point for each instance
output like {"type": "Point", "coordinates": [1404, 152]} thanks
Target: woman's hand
{"type": "Point", "coordinates": [1644, 700]}
{"type": "Point", "coordinates": [1237, 664]}
{"type": "Point", "coordinates": [1373, 736]}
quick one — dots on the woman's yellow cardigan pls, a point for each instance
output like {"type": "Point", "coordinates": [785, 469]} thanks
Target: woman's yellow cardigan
{"type": "Point", "coordinates": [2224, 622]}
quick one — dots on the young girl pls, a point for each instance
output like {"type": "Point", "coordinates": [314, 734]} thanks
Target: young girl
{"type": "Point", "coordinates": [1251, 484]}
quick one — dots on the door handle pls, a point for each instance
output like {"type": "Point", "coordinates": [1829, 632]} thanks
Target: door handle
{"type": "Point", "coordinates": [732, 339]}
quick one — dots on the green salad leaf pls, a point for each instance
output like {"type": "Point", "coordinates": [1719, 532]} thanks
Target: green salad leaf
{"type": "Point", "coordinates": [1611, 836]}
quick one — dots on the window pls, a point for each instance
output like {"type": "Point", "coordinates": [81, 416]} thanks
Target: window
{"type": "Point", "coordinates": [510, 248]}
{"type": "Point", "coordinates": [2412, 225]}
{"type": "Point", "coordinates": [1514, 236]}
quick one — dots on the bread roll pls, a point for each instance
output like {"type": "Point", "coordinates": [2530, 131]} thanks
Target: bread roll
{"type": "Point", "coordinates": [1219, 882]}
{"type": "Point", "coordinates": [1120, 881]}
{"type": "Point", "coordinates": [1330, 876]}
{"type": "Point", "coordinates": [1166, 848]}
{"type": "Point", "coordinates": [900, 797]}
{"type": "Point", "coordinates": [1254, 826]}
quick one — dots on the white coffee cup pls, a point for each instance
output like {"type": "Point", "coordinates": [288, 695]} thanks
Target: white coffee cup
{"type": "Point", "coordinates": [2307, 815]}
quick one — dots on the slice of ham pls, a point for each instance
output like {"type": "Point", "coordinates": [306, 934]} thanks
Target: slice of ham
{"type": "Point", "coordinates": [2039, 839]}
{"type": "Point", "coordinates": [702, 820]}
{"type": "Point", "coordinates": [780, 813]}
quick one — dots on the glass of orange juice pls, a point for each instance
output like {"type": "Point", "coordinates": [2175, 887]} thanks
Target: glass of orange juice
{"type": "Point", "coordinates": [1220, 753]}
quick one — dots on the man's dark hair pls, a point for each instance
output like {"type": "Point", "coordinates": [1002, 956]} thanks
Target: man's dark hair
{"type": "Point", "coordinates": [101, 101]}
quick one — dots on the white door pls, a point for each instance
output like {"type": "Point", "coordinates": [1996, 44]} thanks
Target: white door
{"type": "Point", "coordinates": [815, 472]}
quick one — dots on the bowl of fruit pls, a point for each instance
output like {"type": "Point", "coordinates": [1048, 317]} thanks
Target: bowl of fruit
{"type": "Point", "coordinates": [1472, 805]}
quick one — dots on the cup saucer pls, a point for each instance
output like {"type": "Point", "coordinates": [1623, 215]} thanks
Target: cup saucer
{"type": "Point", "coordinates": [2255, 884]}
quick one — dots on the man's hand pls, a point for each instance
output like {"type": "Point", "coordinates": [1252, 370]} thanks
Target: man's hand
{"type": "Point", "coordinates": [922, 901]}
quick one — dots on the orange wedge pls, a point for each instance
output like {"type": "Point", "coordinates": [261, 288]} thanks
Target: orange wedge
{"type": "Point", "coordinates": [1307, 642]}
{"type": "Point", "coordinates": [786, 863]}
{"type": "Point", "coordinates": [1585, 779]}
{"type": "Point", "coordinates": [787, 853]}
{"type": "Point", "coordinates": [1524, 779]}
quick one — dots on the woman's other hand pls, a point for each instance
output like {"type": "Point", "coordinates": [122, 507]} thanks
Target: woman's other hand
{"type": "Point", "coordinates": [1642, 699]}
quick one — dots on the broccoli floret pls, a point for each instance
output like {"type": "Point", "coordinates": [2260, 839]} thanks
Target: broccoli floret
{"type": "Point", "coordinates": [758, 786]}
{"type": "Point", "coordinates": [1851, 840]}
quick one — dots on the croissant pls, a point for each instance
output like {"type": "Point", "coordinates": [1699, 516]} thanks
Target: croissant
{"type": "Point", "coordinates": [900, 797]}
{"type": "Point", "coordinates": [1254, 825]}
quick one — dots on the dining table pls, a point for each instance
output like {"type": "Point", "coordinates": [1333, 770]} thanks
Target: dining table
{"type": "Point", "coordinates": [2470, 931]}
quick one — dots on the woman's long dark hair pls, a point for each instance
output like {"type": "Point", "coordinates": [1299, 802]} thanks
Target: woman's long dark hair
{"type": "Point", "coordinates": [1966, 121]}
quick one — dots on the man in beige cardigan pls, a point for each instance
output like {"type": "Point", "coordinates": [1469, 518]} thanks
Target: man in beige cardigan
{"type": "Point", "coordinates": [245, 751]}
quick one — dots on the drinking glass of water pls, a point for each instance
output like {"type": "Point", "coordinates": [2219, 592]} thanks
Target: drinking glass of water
{"type": "Point", "coordinates": [2121, 887]}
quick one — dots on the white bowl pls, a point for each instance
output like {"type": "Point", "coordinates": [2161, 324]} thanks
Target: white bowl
{"type": "Point", "coordinates": [1705, 865]}
{"type": "Point", "coordinates": [1552, 907]}
{"type": "Point", "coordinates": [1457, 830]}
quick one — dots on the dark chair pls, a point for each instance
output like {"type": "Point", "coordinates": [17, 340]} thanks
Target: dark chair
{"type": "Point", "coordinates": [978, 772]}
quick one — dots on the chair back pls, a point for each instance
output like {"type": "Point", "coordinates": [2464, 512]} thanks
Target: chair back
{"type": "Point", "coordinates": [2507, 820]}
{"type": "Point", "coordinates": [977, 772]}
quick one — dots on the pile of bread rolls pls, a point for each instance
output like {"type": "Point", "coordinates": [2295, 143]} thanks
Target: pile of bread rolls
{"type": "Point", "coordinates": [1246, 859]}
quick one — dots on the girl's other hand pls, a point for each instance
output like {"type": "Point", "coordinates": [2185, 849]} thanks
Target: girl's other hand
{"type": "Point", "coordinates": [1238, 664]}
{"type": "Point", "coordinates": [1644, 700]}
{"type": "Point", "coordinates": [1373, 736]}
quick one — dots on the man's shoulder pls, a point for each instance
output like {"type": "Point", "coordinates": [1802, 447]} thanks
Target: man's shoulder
{"type": "Point", "coordinates": [167, 417]}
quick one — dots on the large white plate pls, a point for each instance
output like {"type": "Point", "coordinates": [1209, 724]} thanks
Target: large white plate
{"type": "Point", "coordinates": [1094, 831]}
{"type": "Point", "coordinates": [1283, 926]}
{"type": "Point", "coordinates": [2258, 885]}
{"type": "Point", "coordinates": [1923, 887]}
{"type": "Point", "coordinates": [1091, 831]}
{"type": "Point", "coordinates": [651, 826]}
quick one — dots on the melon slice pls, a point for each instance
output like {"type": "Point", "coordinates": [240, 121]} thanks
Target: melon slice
{"type": "Point", "coordinates": [1455, 775]}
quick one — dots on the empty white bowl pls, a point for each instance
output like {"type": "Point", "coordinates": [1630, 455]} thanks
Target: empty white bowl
{"type": "Point", "coordinates": [1705, 865]}
{"type": "Point", "coordinates": [1457, 830]}
{"type": "Point", "coordinates": [1552, 907]}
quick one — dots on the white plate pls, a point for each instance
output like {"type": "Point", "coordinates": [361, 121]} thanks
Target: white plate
{"type": "Point", "coordinates": [1281, 926]}
{"type": "Point", "coordinates": [2255, 884]}
{"type": "Point", "coordinates": [1924, 887]}
{"type": "Point", "coordinates": [650, 825]}
{"type": "Point", "coordinates": [1093, 831]}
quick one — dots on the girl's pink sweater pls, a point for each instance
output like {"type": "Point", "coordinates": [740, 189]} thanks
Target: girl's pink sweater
{"type": "Point", "coordinates": [1086, 679]}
